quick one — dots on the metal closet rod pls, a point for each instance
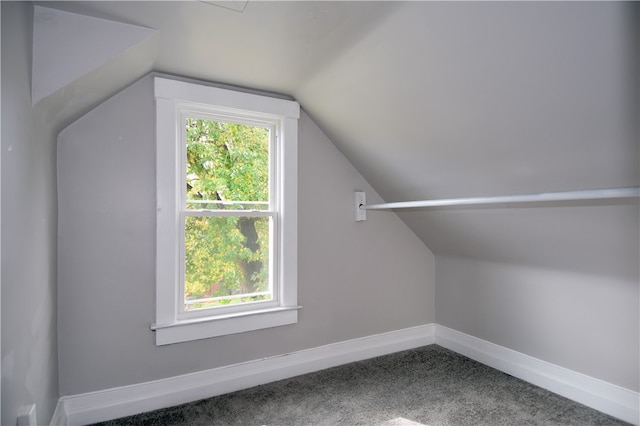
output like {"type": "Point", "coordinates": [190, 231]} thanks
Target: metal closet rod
{"type": "Point", "coordinates": [592, 194]}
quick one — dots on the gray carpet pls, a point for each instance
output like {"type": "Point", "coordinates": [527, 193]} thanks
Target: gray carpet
{"type": "Point", "coordinates": [425, 386]}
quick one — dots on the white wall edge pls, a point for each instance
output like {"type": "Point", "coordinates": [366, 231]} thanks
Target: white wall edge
{"type": "Point", "coordinates": [124, 401]}
{"type": "Point", "coordinates": [608, 398]}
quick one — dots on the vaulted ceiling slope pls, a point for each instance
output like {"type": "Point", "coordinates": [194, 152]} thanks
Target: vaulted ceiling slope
{"type": "Point", "coordinates": [444, 99]}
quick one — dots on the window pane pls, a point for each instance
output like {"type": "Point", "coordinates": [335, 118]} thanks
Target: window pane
{"type": "Point", "coordinates": [226, 162]}
{"type": "Point", "coordinates": [226, 261]}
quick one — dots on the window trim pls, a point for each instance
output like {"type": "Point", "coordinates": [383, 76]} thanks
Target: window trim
{"type": "Point", "coordinates": [172, 98]}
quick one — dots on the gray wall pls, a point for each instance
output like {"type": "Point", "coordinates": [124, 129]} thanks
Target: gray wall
{"type": "Point", "coordinates": [29, 357]}
{"type": "Point", "coordinates": [557, 281]}
{"type": "Point", "coordinates": [585, 322]}
{"type": "Point", "coordinates": [355, 279]}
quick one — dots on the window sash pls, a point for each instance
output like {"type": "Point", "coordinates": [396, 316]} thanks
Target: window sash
{"type": "Point", "coordinates": [186, 112]}
{"type": "Point", "coordinates": [212, 114]}
{"type": "Point", "coordinates": [243, 306]}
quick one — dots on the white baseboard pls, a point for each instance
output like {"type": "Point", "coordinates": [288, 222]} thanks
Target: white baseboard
{"type": "Point", "coordinates": [605, 397]}
{"type": "Point", "coordinates": [59, 415]}
{"type": "Point", "coordinates": [128, 400]}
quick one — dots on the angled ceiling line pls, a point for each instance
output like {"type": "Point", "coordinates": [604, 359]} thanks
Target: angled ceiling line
{"type": "Point", "coordinates": [234, 5]}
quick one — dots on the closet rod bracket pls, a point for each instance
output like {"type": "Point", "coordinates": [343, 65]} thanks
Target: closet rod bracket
{"type": "Point", "coordinates": [360, 202]}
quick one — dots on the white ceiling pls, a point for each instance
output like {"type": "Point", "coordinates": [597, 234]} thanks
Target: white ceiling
{"type": "Point", "coordinates": [445, 99]}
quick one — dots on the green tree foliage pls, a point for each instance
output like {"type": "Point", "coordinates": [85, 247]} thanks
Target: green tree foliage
{"type": "Point", "coordinates": [227, 167]}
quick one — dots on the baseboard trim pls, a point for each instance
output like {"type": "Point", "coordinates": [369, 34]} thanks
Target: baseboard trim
{"type": "Point", "coordinates": [124, 401]}
{"type": "Point", "coordinates": [59, 417]}
{"type": "Point", "coordinates": [605, 397]}
{"type": "Point", "coordinates": [114, 403]}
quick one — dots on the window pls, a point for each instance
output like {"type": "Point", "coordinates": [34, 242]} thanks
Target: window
{"type": "Point", "coordinates": [226, 233]}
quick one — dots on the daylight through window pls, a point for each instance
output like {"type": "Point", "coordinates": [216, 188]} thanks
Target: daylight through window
{"type": "Point", "coordinates": [226, 230]}
{"type": "Point", "coordinates": [228, 217]}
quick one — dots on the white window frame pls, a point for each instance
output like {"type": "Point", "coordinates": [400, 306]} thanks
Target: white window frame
{"type": "Point", "coordinates": [173, 99]}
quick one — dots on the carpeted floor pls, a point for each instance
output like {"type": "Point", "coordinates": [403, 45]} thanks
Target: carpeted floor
{"type": "Point", "coordinates": [426, 386]}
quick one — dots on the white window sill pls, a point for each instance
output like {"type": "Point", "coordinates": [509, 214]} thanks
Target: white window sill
{"type": "Point", "coordinates": [202, 328]}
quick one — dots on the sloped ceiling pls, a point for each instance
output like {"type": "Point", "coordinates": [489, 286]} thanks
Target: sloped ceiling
{"type": "Point", "coordinates": [439, 100]}
{"type": "Point", "coordinates": [60, 57]}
